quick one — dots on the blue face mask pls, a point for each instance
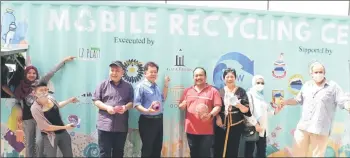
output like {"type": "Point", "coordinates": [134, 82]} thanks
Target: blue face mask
{"type": "Point", "coordinates": [259, 87]}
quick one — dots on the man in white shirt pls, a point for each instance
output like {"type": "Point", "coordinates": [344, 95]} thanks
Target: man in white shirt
{"type": "Point", "coordinates": [319, 98]}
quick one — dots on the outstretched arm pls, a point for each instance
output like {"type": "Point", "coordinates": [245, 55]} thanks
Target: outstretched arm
{"type": "Point", "coordinates": [50, 74]}
{"type": "Point", "coordinates": [341, 98]}
{"type": "Point", "coordinates": [70, 100]}
{"type": "Point", "coordinates": [298, 99]}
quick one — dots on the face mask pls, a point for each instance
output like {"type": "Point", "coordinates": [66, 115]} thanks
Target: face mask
{"type": "Point", "coordinates": [42, 95]}
{"type": "Point", "coordinates": [318, 77]}
{"type": "Point", "coordinates": [259, 87]}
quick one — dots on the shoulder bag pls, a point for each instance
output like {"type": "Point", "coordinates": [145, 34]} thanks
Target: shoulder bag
{"type": "Point", "coordinates": [250, 134]}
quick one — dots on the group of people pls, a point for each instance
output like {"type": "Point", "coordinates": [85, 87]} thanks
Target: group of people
{"type": "Point", "coordinates": [32, 99]}
{"type": "Point", "coordinates": [214, 119]}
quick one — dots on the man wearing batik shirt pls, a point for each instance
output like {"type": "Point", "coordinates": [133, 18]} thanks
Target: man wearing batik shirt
{"type": "Point", "coordinates": [202, 103]}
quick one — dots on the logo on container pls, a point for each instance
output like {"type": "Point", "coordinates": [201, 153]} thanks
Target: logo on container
{"type": "Point", "coordinates": [176, 93]}
{"type": "Point", "coordinates": [179, 64]}
{"type": "Point", "coordinates": [133, 71]}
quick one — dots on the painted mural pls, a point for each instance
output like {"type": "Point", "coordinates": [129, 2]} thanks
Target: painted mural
{"type": "Point", "coordinates": [275, 45]}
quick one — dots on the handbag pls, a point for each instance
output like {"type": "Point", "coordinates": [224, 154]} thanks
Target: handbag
{"type": "Point", "coordinates": [249, 133]}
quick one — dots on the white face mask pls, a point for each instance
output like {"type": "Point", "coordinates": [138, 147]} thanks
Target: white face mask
{"type": "Point", "coordinates": [318, 77]}
{"type": "Point", "coordinates": [259, 87]}
{"type": "Point", "coordinates": [42, 95]}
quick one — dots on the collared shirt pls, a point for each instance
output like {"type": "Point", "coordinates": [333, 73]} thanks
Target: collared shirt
{"type": "Point", "coordinates": [113, 95]}
{"type": "Point", "coordinates": [147, 92]}
{"type": "Point", "coordinates": [319, 106]}
{"type": "Point", "coordinates": [210, 97]}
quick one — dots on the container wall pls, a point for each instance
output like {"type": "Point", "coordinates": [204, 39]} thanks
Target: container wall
{"type": "Point", "coordinates": [278, 46]}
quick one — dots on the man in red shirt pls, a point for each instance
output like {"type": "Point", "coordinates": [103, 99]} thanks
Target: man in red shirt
{"type": "Point", "coordinates": [202, 103]}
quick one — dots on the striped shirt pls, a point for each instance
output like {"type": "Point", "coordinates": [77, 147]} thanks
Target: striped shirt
{"type": "Point", "coordinates": [319, 105]}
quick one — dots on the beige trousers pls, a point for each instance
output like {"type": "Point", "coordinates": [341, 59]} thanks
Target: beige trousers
{"type": "Point", "coordinates": [308, 144]}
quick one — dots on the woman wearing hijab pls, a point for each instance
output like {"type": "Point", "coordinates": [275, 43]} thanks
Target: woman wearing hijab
{"type": "Point", "coordinates": [230, 121]}
{"type": "Point", "coordinates": [23, 95]}
{"type": "Point", "coordinates": [259, 119]}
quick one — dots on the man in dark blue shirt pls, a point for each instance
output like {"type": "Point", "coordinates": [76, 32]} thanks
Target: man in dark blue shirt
{"type": "Point", "coordinates": [113, 97]}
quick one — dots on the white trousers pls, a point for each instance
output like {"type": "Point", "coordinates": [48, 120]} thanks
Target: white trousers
{"type": "Point", "coordinates": [308, 144]}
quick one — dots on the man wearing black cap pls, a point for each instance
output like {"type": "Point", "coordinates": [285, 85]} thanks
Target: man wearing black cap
{"type": "Point", "coordinates": [113, 97]}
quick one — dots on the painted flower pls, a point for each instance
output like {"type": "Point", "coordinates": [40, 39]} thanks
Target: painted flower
{"type": "Point", "coordinates": [273, 134]}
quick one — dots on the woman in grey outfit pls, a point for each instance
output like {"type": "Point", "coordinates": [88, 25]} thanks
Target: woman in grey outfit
{"type": "Point", "coordinates": [26, 99]}
{"type": "Point", "coordinates": [45, 110]}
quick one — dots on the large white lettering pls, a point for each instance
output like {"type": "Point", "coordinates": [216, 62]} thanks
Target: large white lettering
{"type": "Point", "coordinates": [176, 21]}
{"type": "Point", "coordinates": [133, 24]}
{"type": "Point", "coordinates": [150, 21]}
{"type": "Point", "coordinates": [324, 37]}
{"type": "Point", "coordinates": [260, 34]}
{"type": "Point", "coordinates": [107, 21]}
{"type": "Point", "coordinates": [272, 29]}
{"type": "Point", "coordinates": [302, 35]}
{"type": "Point", "coordinates": [206, 22]}
{"type": "Point", "coordinates": [196, 25]}
{"type": "Point", "coordinates": [59, 20]}
{"type": "Point", "coordinates": [282, 29]}
{"type": "Point", "coordinates": [193, 26]}
{"type": "Point", "coordinates": [343, 34]}
{"type": "Point", "coordinates": [121, 21]}
{"type": "Point", "coordinates": [243, 27]}
{"type": "Point", "coordinates": [230, 24]}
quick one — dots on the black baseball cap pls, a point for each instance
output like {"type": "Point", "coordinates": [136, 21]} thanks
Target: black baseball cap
{"type": "Point", "coordinates": [117, 63]}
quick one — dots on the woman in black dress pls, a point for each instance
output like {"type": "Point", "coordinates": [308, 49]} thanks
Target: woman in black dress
{"type": "Point", "coordinates": [230, 121]}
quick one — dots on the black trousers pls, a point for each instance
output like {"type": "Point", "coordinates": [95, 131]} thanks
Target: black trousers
{"type": "Point", "coordinates": [233, 141]}
{"type": "Point", "coordinates": [260, 146]}
{"type": "Point", "coordinates": [151, 133]}
{"type": "Point", "coordinates": [200, 145]}
{"type": "Point", "coordinates": [111, 144]}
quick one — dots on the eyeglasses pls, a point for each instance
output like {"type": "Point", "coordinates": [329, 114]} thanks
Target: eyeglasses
{"type": "Point", "coordinates": [262, 83]}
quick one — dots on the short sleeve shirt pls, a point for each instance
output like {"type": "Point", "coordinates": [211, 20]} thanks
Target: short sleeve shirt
{"type": "Point", "coordinates": [210, 97]}
{"type": "Point", "coordinates": [113, 95]}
